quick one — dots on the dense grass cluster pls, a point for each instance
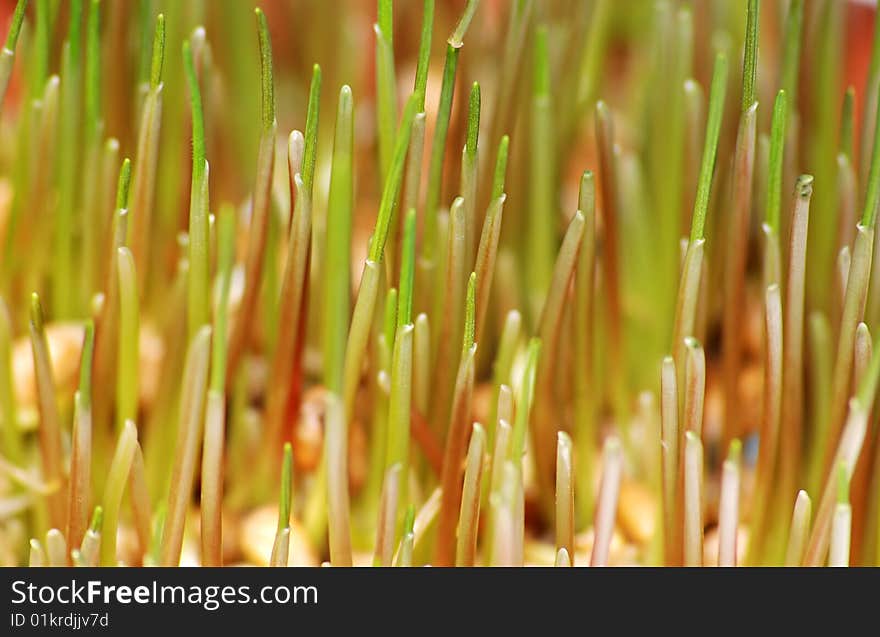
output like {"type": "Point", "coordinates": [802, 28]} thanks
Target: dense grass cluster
{"type": "Point", "coordinates": [255, 306]}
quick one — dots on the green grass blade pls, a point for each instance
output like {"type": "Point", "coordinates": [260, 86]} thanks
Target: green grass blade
{"type": "Point", "coordinates": [15, 25]}
{"type": "Point", "coordinates": [777, 147]}
{"type": "Point", "coordinates": [39, 58]}
{"type": "Point", "coordinates": [391, 190]}
{"type": "Point", "coordinates": [386, 87]}
{"type": "Point", "coordinates": [469, 170]}
{"type": "Point", "coordinates": [340, 208]}
{"type": "Point", "coordinates": [266, 76]}
{"type": "Point", "coordinates": [286, 488]}
{"type": "Point", "coordinates": [407, 270]}
{"type": "Point", "coordinates": [189, 434]}
{"type": "Point", "coordinates": [197, 306]}
{"type": "Point", "coordinates": [225, 261]}
{"type": "Point", "coordinates": [500, 168]}
{"type": "Point", "coordinates": [457, 37]}
{"type": "Point", "coordinates": [128, 352]}
{"type": "Point", "coordinates": [421, 81]}
{"type": "Point", "coordinates": [438, 153]}
{"type": "Point", "coordinates": [846, 122]}
{"type": "Point", "coordinates": [713, 130]}
{"type": "Point", "coordinates": [117, 478]}
{"type": "Point", "coordinates": [541, 225]}
{"type": "Point", "coordinates": [872, 195]}
{"type": "Point", "coordinates": [750, 56]}
{"type": "Point", "coordinates": [791, 52]}
{"type": "Point", "coordinates": [12, 440]}
{"type": "Point", "coordinates": [93, 73]}
{"type": "Point", "coordinates": [310, 148]}
{"type": "Point", "coordinates": [50, 424]}
{"type": "Point", "coordinates": [524, 401]}
{"type": "Point", "coordinates": [158, 56]}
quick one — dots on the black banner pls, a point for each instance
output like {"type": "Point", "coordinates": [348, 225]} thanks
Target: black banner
{"type": "Point", "coordinates": [413, 601]}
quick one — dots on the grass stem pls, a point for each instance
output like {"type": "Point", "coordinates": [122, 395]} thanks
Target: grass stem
{"type": "Point", "coordinates": [469, 514]}
{"type": "Point", "coordinates": [117, 478]}
{"type": "Point", "coordinates": [693, 500]}
{"type": "Point", "coordinates": [197, 306]}
{"type": "Point", "coordinates": [81, 446]}
{"type": "Point", "coordinates": [50, 423]}
{"type": "Point", "coordinates": [728, 507]}
{"type": "Point", "coordinates": [791, 425]}
{"type": "Point", "coordinates": [670, 448]}
{"type": "Point", "coordinates": [564, 495]}
{"type": "Point", "coordinates": [799, 530]}
{"type": "Point", "coordinates": [189, 430]}
{"type": "Point", "coordinates": [607, 501]}
{"type": "Point", "coordinates": [262, 203]}
{"type": "Point", "coordinates": [340, 205]}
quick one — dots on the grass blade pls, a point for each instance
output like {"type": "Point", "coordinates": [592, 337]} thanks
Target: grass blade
{"type": "Point", "coordinates": [728, 508]}
{"type": "Point", "coordinates": [713, 128]}
{"type": "Point", "coordinates": [128, 350]}
{"type": "Point", "coordinates": [469, 172]}
{"type": "Point", "coordinates": [405, 552]}
{"type": "Point", "coordinates": [90, 548]}
{"type": "Point", "coordinates": [450, 334]}
{"type": "Point", "coordinates": [7, 56]}
{"type": "Point", "coordinates": [387, 517]}
{"type": "Point", "coordinates": [549, 329]}
{"type": "Point", "coordinates": [140, 503]}
{"type": "Point", "coordinates": [469, 514]}
{"type": "Point", "coordinates": [671, 437]}
{"type": "Point", "coordinates": [736, 243]}
{"type": "Point", "coordinates": [524, 401]}
{"type": "Point", "coordinates": [421, 376]}
{"type": "Point", "coordinates": [693, 500]}
{"type": "Point", "coordinates": [583, 342]}
{"type": "Point", "coordinates": [841, 524]}
{"type": "Point", "coordinates": [197, 306]}
{"type": "Point", "coordinates": [506, 547]}
{"type": "Point", "coordinates": [694, 389]}
{"type": "Point", "coordinates": [336, 460]}
{"type": "Point", "coordinates": [564, 495]}
{"type": "Point", "coordinates": [292, 313]}
{"type": "Point", "coordinates": [117, 478]}
{"type": "Point", "coordinates": [791, 52]}
{"type": "Point", "coordinates": [762, 502]}
{"type": "Point", "coordinates": [386, 85]}
{"type": "Point", "coordinates": [799, 530]}
{"type": "Point", "coordinates": [50, 427]}
{"type": "Point", "coordinates": [68, 164]}
{"type": "Point", "coordinates": [451, 477]}
{"type": "Point", "coordinates": [438, 154]}
{"type": "Point", "coordinates": [12, 441]}
{"type": "Point", "coordinates": [340, 205]}
{"type": "Point", "coordinates": [146, 159]}
{"type": "Point", "coordinates": [262, 201]}
{"type": "Point", "coordinates": [847, 451]}
{"type": "Point", "coordinates": [607, 501]}
{"type": "Point", "coordinates": [81, 446]}
{"type": "Point", "coordinates": [853, 310]}
{"type": "Point", "coordinates": [611, 220]}
{"type": "Point", "coordinates": [56, 548]}
{"type": "Point", "coordinates": [791, 426]}
{"type": "Point", "coordinates": [400, 400]}
{"type": "Point", "coordinates": [750, 56]}
{"type": "Point", "coordinates": [281, 545]}
{"type": "Point", "coordinates": [192, 401]}
{"type": "Point", "coordinates": [37, 556]}
{"type": "Point", "coordinates": [215, 409]}
{"type": "Point", "coordinates": [542, 217]}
